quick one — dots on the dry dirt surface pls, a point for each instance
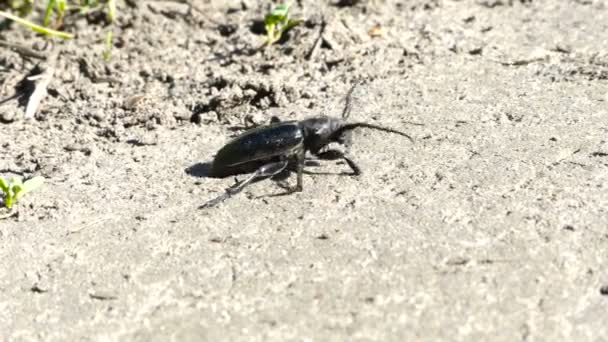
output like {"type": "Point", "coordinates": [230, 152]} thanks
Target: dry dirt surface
{"type": "Point", "coordinates": [491, 226]}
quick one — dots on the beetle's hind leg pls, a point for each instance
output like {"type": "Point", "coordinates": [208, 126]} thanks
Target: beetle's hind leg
{"type": "Point", "coordinates": [267, 170]}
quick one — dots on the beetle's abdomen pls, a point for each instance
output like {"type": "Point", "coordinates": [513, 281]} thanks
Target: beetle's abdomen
{"type": "Point", "coordinates": [257, 145]}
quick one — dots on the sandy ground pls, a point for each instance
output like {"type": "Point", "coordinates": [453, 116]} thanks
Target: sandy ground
{"type": "Point", "coordinates": [491, 226]}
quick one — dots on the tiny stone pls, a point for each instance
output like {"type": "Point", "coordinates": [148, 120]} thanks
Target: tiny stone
{"type": "Point", "coordinates": [457, 261]}
{"type": "Point", "coordinates": [8, 116]}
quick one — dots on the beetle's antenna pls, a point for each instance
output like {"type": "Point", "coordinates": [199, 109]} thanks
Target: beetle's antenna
{"type": "Point", "coordinates": [351, 126]}
{"type": "Point", "coordinates": [348, 99]}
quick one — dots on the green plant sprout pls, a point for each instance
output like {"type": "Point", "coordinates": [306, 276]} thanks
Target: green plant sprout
{"type": "Point", "coordinates": [15, 188]}
{"type": "Point", "coordinates": [60, 7]}
{"type": "Point", "coordinates": [107, 53]}
{"type": "Point", "coordinates": [277, 22]}
{"type": "Point", "coordinates": [111, 10]}
{"type": "Point", "coordinates": [54, 13]}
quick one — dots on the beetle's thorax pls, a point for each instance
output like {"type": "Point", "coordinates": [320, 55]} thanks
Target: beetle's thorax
{"type": "Point", "coordinates": [320, 131]}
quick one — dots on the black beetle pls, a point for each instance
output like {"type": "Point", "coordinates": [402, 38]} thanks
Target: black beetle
{"type": "Point", "coordinates": [266, 151]}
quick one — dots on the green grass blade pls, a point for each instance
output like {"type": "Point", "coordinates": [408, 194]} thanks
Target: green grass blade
{"type": "Point", "coordinates": [61, 6]}
{"type": "Point", "coordinates": [35, 27]}
{"type": "Point", "coordinates": [111, 10]}
{"type": "Point", "coordinates": [3, 185]}
{"type": "Point", "coordinates": [108, 51]}
{"type": "Point", "coordinates": [8, 201]}
{"type": "Point", "coordinates": [47, 12]}
{"type": "Point", "coordinates": [4, 188]}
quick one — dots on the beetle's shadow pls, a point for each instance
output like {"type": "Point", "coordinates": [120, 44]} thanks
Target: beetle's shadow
{"type": "Point", "coordinates": [201, 170]}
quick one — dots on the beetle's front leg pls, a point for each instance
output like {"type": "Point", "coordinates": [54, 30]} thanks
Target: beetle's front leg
{"type": "Point", "coordinates": [299, 160]}
{"type": "Point", "coordinates": [337, 154]}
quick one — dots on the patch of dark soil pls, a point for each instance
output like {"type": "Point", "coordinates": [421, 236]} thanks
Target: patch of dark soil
{"type": "Point", "coordinates": [230, 98]}
{"type": "Point", "coordinates": [570, 69]}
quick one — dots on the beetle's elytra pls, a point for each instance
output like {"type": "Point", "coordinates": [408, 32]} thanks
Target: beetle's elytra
{"type": "Point", "coordinates": [257, 144]}
{"type": "Point", "coordinates": [266, 151]}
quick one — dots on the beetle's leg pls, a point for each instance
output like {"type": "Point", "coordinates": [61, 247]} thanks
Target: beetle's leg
{"type": "Point", "coordinates": [300, 161]}
{"type": "Point", "coordinates": [267, 170]}
{"type": "Point", "coordinates": [300, 158]}
{"type": "Point", "coordinates": [337, 154]}
{"type": "Point", "coordinates": [353, 166]}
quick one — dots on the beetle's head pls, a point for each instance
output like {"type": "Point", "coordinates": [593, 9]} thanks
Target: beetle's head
{"type": "Point", "coordinates": [322, 130]}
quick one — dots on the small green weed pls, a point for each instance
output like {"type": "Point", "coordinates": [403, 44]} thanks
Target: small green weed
{"type": "Point", "coordinates": [15, 188]}
{"type": "Point", "coordinates": [107, 53]}
{"type": "Point", "coordinates": [277, 22]}
{"type": "Point", "coordinates": [54, 13]}
{"type": "Point", "coordinates": [35, 27]}
{"type": "Point", "coordinates": [59, 7]}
